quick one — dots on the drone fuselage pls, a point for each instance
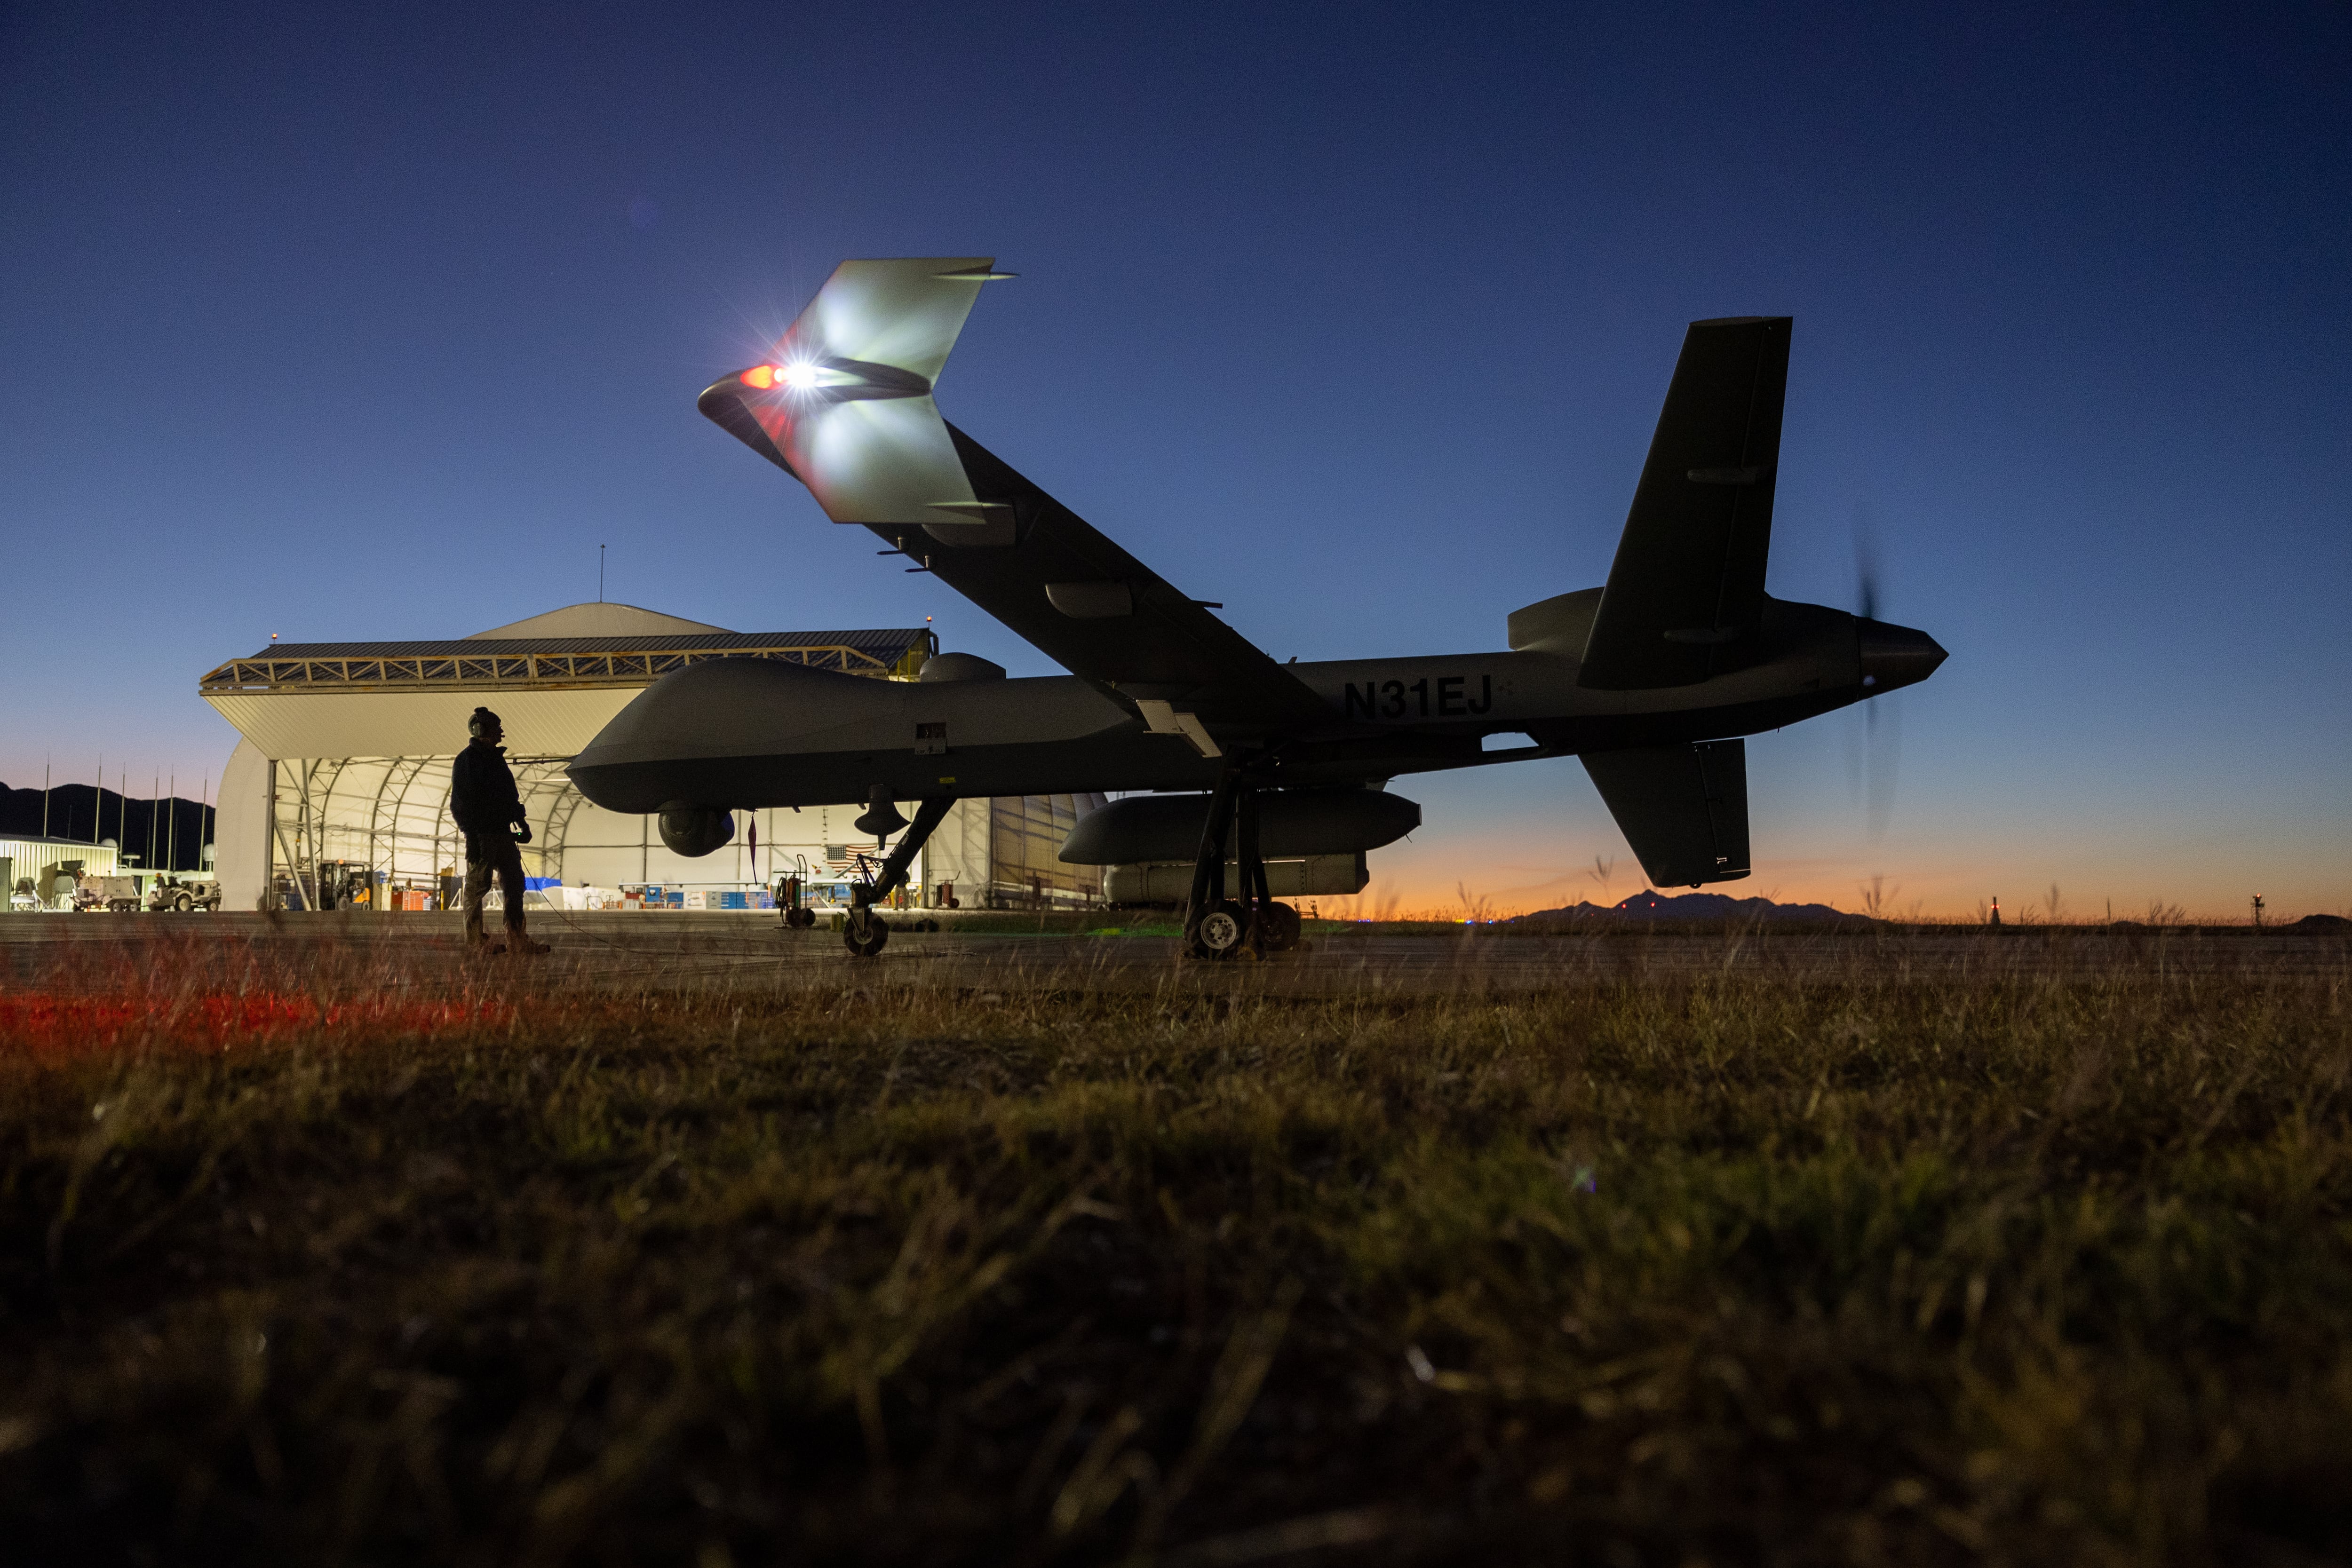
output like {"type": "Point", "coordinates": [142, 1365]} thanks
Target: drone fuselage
{"type": "Point", "coordinates": [747, 733]}
{"type": "Point", "coordinates": [1651, 679]}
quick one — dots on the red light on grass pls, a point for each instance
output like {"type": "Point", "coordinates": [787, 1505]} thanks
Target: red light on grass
{"type": "Point", "coordinates": [40, 1024]}
{"type": "Point", "coordinates": [760, 376]}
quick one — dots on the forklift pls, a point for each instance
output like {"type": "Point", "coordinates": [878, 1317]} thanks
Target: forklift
{"type": "Point", "coordinates": [346, 885]}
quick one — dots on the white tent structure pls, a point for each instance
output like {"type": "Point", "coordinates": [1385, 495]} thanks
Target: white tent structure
{"type": "Point", "coordinates": [340, 781]}
{"type": "Point", "coordinates": [34, 861]}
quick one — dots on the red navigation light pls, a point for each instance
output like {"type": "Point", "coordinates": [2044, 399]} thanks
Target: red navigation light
{"type": "Point", "coordinates": [760, 376]}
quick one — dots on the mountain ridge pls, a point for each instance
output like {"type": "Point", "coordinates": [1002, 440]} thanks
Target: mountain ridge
{"type": "Point", "coordinates": [177, 823]}
{"type": "Point", "coordinates": [1653, 908]}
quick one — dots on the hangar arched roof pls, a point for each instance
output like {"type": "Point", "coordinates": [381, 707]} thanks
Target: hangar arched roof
{"type": "Point", "coordinates": [555, 687]}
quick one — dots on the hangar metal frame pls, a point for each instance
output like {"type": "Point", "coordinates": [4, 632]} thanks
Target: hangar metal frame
{"type": "Point", "coordinates": [311, 834]}
{"type": "Point", "coordinates": [488, 666]}
{"type": "Point", "coordinates": [363, 808]}
{"type": "Point", "coordinates": [383, 805]}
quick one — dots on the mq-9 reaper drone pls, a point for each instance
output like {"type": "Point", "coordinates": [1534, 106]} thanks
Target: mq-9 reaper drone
{"type": "Point", "coordinates": [1650, 679]}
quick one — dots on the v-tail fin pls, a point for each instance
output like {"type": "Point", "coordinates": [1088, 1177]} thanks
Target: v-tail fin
{"type": "Point", "coordinates": [1683, 808]}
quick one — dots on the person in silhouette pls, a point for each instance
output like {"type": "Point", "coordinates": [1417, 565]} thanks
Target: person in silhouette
{"type": "Point", "coordinates": [488, 809]}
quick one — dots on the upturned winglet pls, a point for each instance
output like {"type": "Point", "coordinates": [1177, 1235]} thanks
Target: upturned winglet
{"type": "Point", "coordinates": [843, 402]}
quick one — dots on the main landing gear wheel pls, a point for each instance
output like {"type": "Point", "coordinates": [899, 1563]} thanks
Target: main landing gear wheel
{"type": "Point", "coordinates": [865, 932]}
{"type": "Point", "coordinates": [800, 919]}
{"type": "Point", "coordinates": [1278, 927]}
{"type": "Point", "coordinates": [1218, 933]}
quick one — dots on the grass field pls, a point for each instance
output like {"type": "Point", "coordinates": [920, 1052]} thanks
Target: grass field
{"type": "Point", "coordinates": [371, 1266]}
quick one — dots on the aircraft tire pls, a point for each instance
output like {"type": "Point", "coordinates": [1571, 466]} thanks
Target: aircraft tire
{"type": "Point", "coordinates": [1218, 933]}
{"type": "Point", "coordinates": [865, 934]}
{"type": "Point", "coordinates": [1279, 927]}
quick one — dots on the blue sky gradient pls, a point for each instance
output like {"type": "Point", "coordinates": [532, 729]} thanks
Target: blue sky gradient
{"type": "Point", "coordinates": [376, 323]}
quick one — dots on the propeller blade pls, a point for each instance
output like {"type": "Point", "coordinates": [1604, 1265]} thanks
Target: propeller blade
{"type": "Point", "coordinates": [1866, 565]}
{"type": "Point", "coordinates": [1883, 746]}
{"type": "Point", "coordinates": [1877, 760]}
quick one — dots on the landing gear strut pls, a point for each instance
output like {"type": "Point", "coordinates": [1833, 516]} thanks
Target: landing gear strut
{"type": "Point", "coordinates": [865, 932]}
{"type": "Point", "coordinates": [1218, 928]}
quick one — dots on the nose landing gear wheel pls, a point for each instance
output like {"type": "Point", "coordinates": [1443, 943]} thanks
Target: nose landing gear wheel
{"type": "Point", "coordinates": [1218, 933]}
{"type": "Point", "coordinates": [865, 932]}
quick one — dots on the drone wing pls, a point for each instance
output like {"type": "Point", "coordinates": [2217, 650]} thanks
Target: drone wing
{"type": "Point", "coordinates": [1686, 590]}
{"type": "Point", "coordinates": [844, 406]}
{"type": "Point", "coordinates": [1683, 808]}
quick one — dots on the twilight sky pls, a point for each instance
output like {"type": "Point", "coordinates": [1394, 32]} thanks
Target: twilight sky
{"type": "Point", "coordinates": [374, 322]}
